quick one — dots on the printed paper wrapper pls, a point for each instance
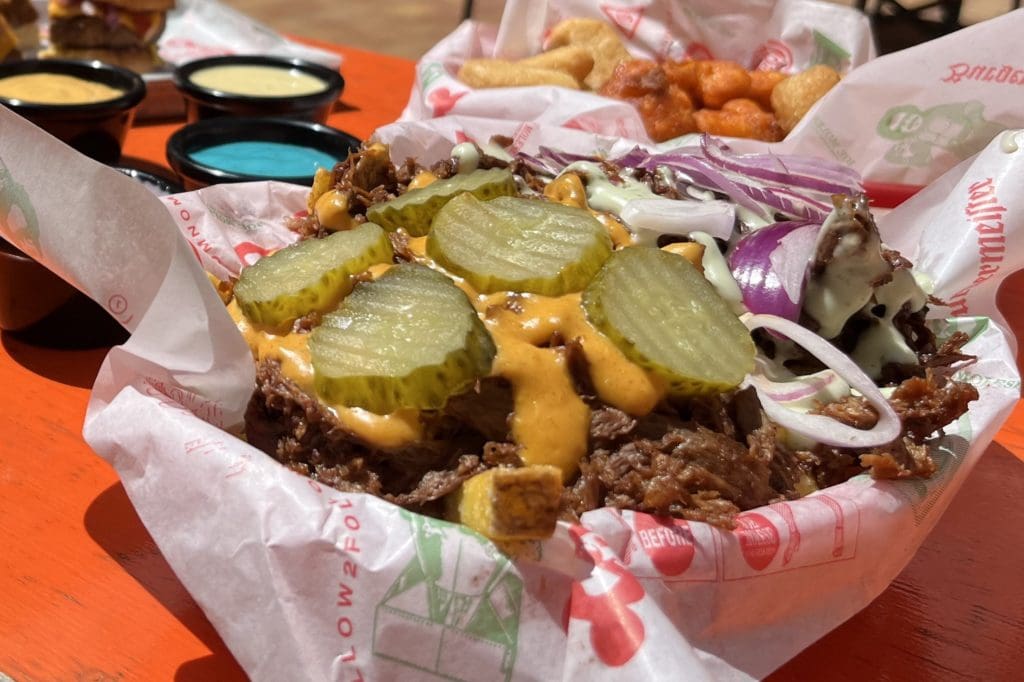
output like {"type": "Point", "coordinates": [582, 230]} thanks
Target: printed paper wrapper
{"type": "Point", "coordinates": [906, 117]}
{"type": "Point", "coordinates": [304, 582]}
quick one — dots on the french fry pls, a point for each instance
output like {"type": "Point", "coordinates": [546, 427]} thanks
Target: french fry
{"type": "Point", "coordinates": [599, 39]}
{"type": "Point", "coordinates": [793, 97]}
{"type": "Point", "coordinates": [498, 73]}
{"type": "Point", "coordinates": [507, 504]}
{"type": "Point", "coordinates": [572, 59]}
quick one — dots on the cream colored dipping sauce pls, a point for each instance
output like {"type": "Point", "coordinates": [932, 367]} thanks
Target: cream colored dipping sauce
{"type": "Point", "coordinates": [254, 80]}
{"type": "Point", "coordinates": [56, 88]}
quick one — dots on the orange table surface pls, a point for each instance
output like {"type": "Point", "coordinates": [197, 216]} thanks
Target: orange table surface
{"type": "Point", "coordinates": [86, 595]}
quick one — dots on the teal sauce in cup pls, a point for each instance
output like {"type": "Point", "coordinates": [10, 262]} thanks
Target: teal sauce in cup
{"type": "Point", "coordinates": [248, 149]}
{"type": "Point", "coordinates": [264, 159]}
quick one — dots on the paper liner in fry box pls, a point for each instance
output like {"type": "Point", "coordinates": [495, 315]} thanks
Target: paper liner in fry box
{"type": "Point", "coordinates": [787, 35]}
{"type": "Point", "coordinates": [909, 116]}
{"type": "Point", "coordinates": [304, 582]}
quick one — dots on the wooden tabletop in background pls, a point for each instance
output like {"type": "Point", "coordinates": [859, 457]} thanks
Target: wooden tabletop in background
{"type": "Point", "coordinates": [86, 595]}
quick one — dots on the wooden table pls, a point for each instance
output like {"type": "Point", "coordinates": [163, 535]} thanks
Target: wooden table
{"type": "Point", "coordinates": [86, 595]}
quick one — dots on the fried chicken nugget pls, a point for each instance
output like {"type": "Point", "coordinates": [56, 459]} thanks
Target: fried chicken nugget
{"type": "Point", "coordinates": [739, 118]}
{"type": "Point", "coordinates": [666, 109]}
{"type": "Point", "coordinates": [684, 75]}
{"type": "Point", "coordinates": [793, 97]}
{"type": "Point", "coordinates": [572, 59]}
{"type": "Point", "coordinates": [498, 73]}
{"type": "Point", "coordinates": [720, 81]}
{"type": "Point", "coordinates": [599, 39]}
{"type": "Point", "coordinates": [761, 85]}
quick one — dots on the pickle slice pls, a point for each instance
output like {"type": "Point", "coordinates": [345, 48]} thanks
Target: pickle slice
{"type": "Point", "coordinates": [308, 276]}
{"type": "Point", "coordinates": [410, 338]}
{"type": "Point", "coordinates": [511, 244]}
{"type": "Point", "coordinates": [414, 210]}
{"type": "Point", "coordinates": [663, 315]}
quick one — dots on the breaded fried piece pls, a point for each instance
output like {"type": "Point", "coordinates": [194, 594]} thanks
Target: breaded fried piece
{"type": "Point", "coordinates": [793, 97]}
{"type": "Point", "coordinates": [498, 73]}
{"type": "Point", "coordinates": [720, 81]}
{"type": "Point", "coordinates": [572, 59]}
{"type": "Point", "coordinates": [599, 39]}
{"type": "Point", "coordinates": [740, 118]}
{"type": "Point", "coordinates": [761, 85]}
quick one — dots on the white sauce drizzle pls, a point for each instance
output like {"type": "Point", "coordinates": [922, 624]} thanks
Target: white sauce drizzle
{"type": "Point", "coordinates": [845, 285]}
{"type": "Point", "coordinates": [602, 195]}
{"type": "Point", "coordinates": [717, 272]}
{"type": "Point", "coordinates": [467, 155]}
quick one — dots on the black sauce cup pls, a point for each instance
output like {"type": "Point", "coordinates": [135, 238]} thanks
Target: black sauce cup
{"type": "Point", "coordinates": [95, 129]}
{"type": "Point", "coordinates": [202, 103]}
{"type": "Point", "coordinates": [198, 136]}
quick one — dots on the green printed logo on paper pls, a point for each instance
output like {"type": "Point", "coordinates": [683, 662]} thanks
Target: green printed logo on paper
{"type": "Point", "coordinates": [972, 326]}
{"type": "Point", "coordinates": [829, 52]}
{"type": "Point", "coordinates": [17, 215]}
{"type": "Point", "coordinates": [454, 610]}
{"type": "Point", "coordinates": [959, 128]}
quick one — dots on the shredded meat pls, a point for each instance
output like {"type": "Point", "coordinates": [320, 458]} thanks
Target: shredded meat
{"type": "Point", "coordinates": [296, 430]}
{"type": "Point", "coordinates": [696, 474]}
{"type": "Point", "coordinates": [703, 459]}
{"type": "Point", "coordinates": [924, 405]}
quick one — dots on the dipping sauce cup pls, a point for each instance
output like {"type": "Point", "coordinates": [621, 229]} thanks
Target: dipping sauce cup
{"type": "Point", "coordinates": [250, 149]}
{"type": "Point", "coordinates": [87, 104]}
{"type": "Point", "coordinates": [258, 86]}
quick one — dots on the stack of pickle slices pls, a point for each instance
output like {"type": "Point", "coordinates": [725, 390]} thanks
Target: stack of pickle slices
{"type": "Point", "coordinates": [390, 336]}
{"type": "Point", "coordinates": [411, 338]}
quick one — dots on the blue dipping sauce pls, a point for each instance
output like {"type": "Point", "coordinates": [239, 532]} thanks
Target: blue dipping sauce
{"type": "Point", "coordinates": [265, 159]}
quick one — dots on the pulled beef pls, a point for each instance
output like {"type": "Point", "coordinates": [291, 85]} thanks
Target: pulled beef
{"type": "Point", "coordinates": [400, 246]}
{"type": "Point", "coordinates": [924, 405]}
{"type": "Point", "coordinates": [296, 430]}
{"type": "Point", "coordinates": [485, 408]}
{"type": "Point", "coordinates": [692, 473]}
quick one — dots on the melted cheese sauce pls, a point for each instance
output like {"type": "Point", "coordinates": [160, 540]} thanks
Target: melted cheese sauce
{"type": "Point", "coordinates": [56, 88]}
{"type": "Point", "coordinates": [550, 421]}
{"type": "Point", "coordinates": [254, 80]}
{"type": "Point", "coordinates": [386, 431]}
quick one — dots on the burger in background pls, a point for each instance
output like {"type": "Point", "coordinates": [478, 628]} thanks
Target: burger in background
{"type": "Point", "coordinates": [18, 29]}
{"type": "Point", "coordinates": [121, 32]}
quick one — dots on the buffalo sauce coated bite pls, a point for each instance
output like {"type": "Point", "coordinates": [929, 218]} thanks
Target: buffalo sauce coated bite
{"type": "Point", "coordinates": [666, 108]}
{"type": "Point", "coordinates": [717, 97]}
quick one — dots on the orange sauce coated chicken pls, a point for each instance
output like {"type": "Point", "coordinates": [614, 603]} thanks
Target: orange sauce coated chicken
{"type": "Point", "coordinates": [717, 97]}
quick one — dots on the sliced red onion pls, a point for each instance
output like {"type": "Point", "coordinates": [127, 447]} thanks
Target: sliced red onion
{"type": "Point", "coordinates": [818, 427]}
{"type": "Point", "coordinates": [827, 178]}
{"type": "Point", "coordinates": [799, 388]}
{"type": "Point", "coordinates": [770, 266]}
{"type": "Point", "coordinates": [651, 218]}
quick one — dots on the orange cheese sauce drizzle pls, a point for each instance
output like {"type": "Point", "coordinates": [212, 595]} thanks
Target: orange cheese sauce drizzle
{"type": "Point", "coordinates": [386, 431]}
{"type": "Point", "coordinates": [550, 422]}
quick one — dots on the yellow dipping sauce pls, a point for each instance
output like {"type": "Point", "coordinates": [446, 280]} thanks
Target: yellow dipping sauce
{"type": "Point", "coordinates": [56, 88]}
{"type": "Point", "coordinates": [254, 80]}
